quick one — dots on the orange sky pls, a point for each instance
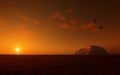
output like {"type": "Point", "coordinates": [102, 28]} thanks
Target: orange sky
{"type": "Point", "coordinates": [58, 27]}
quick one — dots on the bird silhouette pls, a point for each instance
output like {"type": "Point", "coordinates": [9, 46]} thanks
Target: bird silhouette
{"type": "Point", "coordinates": [101, 27]}
{"type": "Point", "coordinates": [94, 21]}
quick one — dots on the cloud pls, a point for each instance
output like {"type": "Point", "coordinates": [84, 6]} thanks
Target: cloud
{"type": "Point", "coordinates": [25, 18]}
{"type": "Point", "coordinates": [74, 28]}
{"type": "Point", "coordinates": [62, 18]}
{"type": "Point", "coordinates": [2, 21]}
{"type": "Point", "coordinates": [50, 27]}
{"type": "Point", "coordinates": [23, 26]}
{"type": "Point", "coordinates": [22, 32]}
{"type": "Point", "coordinates": [25, 33]}
{"type": "Point", "coordinates": [16, 12]}
{"type": "Point", "coordinates": [11, 2]}
{"type": "Point", "coordinates": [65, 26]}
{"type": "Point", "coordinates": [95, 30]}
{"type": "Point", "coordinates": [73, 22]}
{"type": "Point", "coordinates": [58, 15]}
{"type": "Point", "coordinates": [37, 22]}
{"type": "Point", "coordinates": [10, 33]}
{"type": "Point", "coordinates": [88, 26]}
{"type": "Point", "coordinates": [70, 11]}
{"type": "Point", "coordinates": [60, 25]}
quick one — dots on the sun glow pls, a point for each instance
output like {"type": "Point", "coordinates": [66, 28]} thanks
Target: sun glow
{"type": "Point", "coordinates": [17, 50]}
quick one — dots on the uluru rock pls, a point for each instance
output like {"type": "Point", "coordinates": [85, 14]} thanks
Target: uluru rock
{"type": "Point", "coordinates": [92, 50]}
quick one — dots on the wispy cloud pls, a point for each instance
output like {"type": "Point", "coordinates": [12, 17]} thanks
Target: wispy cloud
{"type": "Point", "coordinates": [65, 26]}
{"type": "Point", "coordinates": [23, 26]}
{"type": "Point", "coordinates": [76, 27]}
{"type": "Point", "coordinates": [95, 30]}
{"type": "Point", "coordinates": [88, 26]}
{"type": "Point", "coordinates": [25, 18]}
{"type": "Point", "coordinates": [36, 22]}
{"type": "Point", "coordinates": [16, 13]}
{"type": "Point", "coordinates": [20, 15]}
{"type": "Point", "coordinates": [62, 18]}
{"type": "Point", "coordinates": [58, 15]}
{"type": "Point", "coordinates": [2, 21]}
{"type": "Point", "coordinates": [22, 33]}
{"type": "Point", "coordinates": [73, 22]}
{"type": "Point", "coordinates": [70, 11]}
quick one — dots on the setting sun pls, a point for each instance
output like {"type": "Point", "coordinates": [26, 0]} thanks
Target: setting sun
{"type": "Point", "coordinates": [17, 50]}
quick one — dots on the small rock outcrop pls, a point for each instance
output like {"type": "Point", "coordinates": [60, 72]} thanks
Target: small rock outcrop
{"type": "Point", "coordinates": [92, 50]}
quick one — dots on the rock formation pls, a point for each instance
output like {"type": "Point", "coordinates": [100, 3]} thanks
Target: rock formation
{"type": "Point", "coordinates": [92, 50]}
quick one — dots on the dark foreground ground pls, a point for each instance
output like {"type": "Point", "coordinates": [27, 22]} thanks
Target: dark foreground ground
{"type": "Point", "coordinates": [59, 65]}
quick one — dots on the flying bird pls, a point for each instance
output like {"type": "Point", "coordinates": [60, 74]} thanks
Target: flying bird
{"type": "Point", "coordinates": [101, 27]}
{"type": "Point", "coordinates": [94, 21]}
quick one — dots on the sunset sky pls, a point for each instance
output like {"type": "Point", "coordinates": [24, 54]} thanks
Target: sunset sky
{"type": "Point", "coordinates": [58, 26]}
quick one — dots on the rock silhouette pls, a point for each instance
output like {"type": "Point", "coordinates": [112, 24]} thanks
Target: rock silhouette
{"type": "Point", "coordinates": [92, 50]}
